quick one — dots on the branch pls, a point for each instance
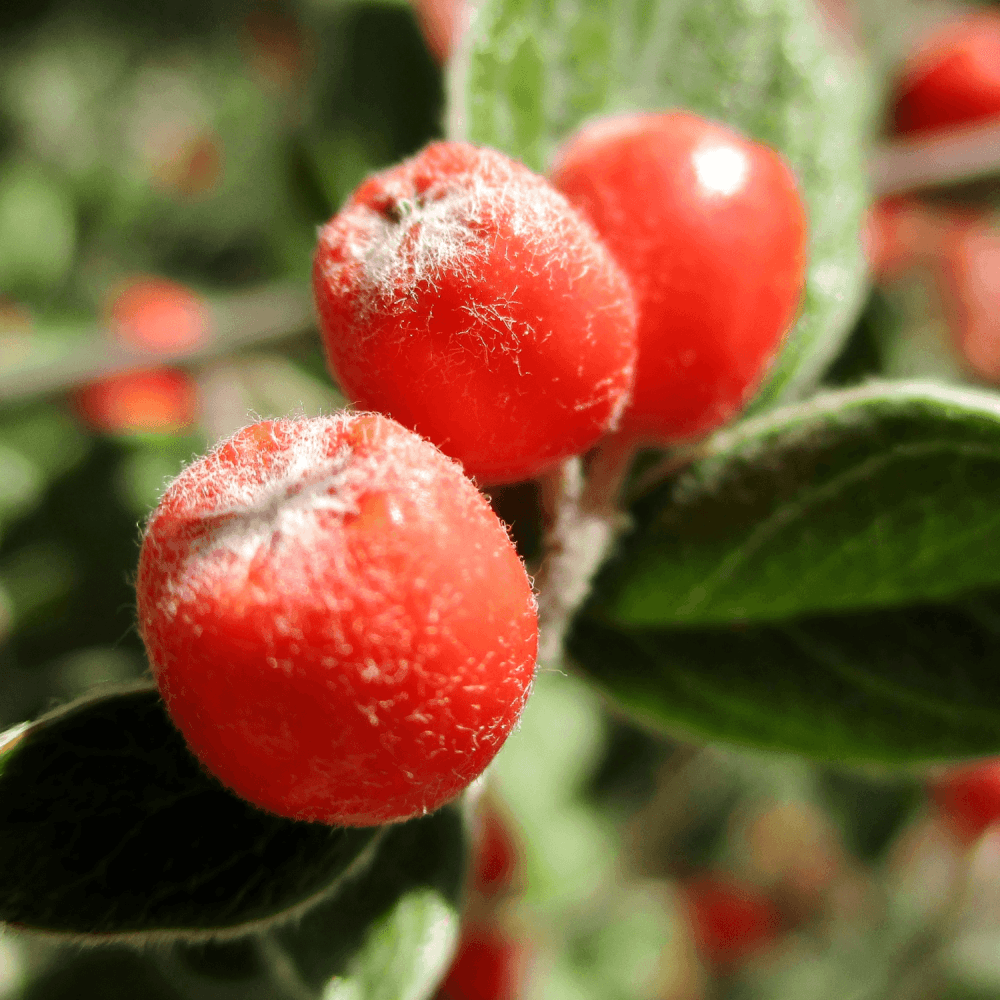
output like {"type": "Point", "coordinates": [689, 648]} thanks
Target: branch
{"type": "Point", "coordinates": [949, 157]}
{"type": "Point", "coordinates": [33, 365]}
{"type": "Point", "coordinates": [57, 360]}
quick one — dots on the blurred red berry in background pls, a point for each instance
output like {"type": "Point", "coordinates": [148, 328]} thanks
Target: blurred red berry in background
{"type": "Point", "coordinates": [969, 799]}
{"type": "Point", "coordinates": [439, 21]}
{"type": "Point", "coordinates": [497, 854]}
{"type": "Point", "coordinates": [901, 233]}
{"type": "Point", "coordinates": [489, 964]}
{"type": "Point", "coordinates": [275, 47]}
{"type": "Point", "coordinates": [729, 920]}
{"type": "Point", "coordinates": [969, 280]}
{"type": "Point", "coordinates": [160, 400]}
{"type": "Point", "coordinates": [952, 79]}
{"type": "Point", "coordinates": [157, 314]}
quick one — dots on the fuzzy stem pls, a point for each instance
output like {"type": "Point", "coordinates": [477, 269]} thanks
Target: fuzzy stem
{"type": "Point", "coordinates": [584, 524]}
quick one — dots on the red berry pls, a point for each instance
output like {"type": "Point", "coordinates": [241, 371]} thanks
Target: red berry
{"type": "Point", "coordinates": [461, 294]}
{"type": "Point", "coordinates": [440, 22]}
{"type": "Point", "coordinates": [953, 79]}
{"type": "Point", "coordinates": [969, 275]}
{"type": "Point", "coordinates": [275, 46]}
{"type": "Point", "coordinates": [729, 920]}
{"type": "Point", "coordinates": [902, 233]}
{"type": "Point", "coordinates": [497, 856]}
{"type": "Point", "coordinates": [158, 314]}
{"type": "Point", "coordinates": [157, 400]}
{"type": "Point", "coordinates": [337, 621]}
{"type": "Point", "coordinates": [712, 231]}
{"type": "Point", "coordinates": [969, 797]}
{"type": "Point", "coordinates": [488, 965]}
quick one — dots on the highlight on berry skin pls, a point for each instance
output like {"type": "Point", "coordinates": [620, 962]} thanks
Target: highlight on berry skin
{"type": "Point", "coordinates": [338, 622]}
{"type": "Point", "coordinates": [462, 295]}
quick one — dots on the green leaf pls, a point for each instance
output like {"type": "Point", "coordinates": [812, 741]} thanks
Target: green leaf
{"type": "Point", "coordinates": [109, 826]}
{"type": "Point", "coordinates": [872, 497]}
{"type": "Point", "coordinates": [390, 933]}
{"type": "Point", "coordinates": [821, 580]}
{"type": "Point", "coordinates": [912, 685]}
{"type": "Point", "coordinates": [530, 72]}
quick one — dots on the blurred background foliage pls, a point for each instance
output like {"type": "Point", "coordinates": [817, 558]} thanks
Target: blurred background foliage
{"type": "Point", "coordinates": [155, 160]}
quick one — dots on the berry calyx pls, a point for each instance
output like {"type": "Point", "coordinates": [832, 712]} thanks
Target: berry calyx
{"type": "Point", "coordinates": [711, 230]}
{"type": "Point", "coordinates": [338, 623]}
{"type": "Point", "coordinates": [952, 79]}
{"type": "Point", "coordinates": [460, 294]}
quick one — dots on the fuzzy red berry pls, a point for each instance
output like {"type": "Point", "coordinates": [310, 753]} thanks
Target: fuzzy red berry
{"type": "Point", "coordinates": [969, 798]}
{"type": "Point", "coordinates": [953, 78]}
{"type": "Point", "coordinates": [729, 920]}
{"type": "Point", "coordinates": [711, 229]}
{"type": "Point", "coordinates": [337, 621]}
{"type": "Point", "coordinates": [462, 295]}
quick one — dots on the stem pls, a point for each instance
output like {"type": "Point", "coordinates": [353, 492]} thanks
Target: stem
{"type": "Point", "coordinates": [584, 524]}
{"type": "Point", "coordinates": [264, 313]}
{"type": "Point", "coordinates": [938, 160]}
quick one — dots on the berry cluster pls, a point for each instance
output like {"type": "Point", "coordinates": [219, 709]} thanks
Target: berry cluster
{"type": "Point", "coordinates": [339, 624]}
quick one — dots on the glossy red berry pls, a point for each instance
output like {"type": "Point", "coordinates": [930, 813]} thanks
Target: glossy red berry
{"type": "Point", "coordinates": [729, 920]}
{"type": "Point", "coordinates": [969, 798]}
{"type": "Point", "coordinates": [158, 400]}
{"type": "Point", "coordinates": [339, 624]}
{"type": "Point", "coordinates": [711, 229]}
{"type": "Point", "coordinates": [953, 78]}
{"type": "Point", "coordinates": [462, 295]}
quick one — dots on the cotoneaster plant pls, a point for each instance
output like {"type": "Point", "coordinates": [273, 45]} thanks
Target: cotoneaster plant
{"type": "Point", "coordinates": [462, 295]}
{"type": "Point", "coordinates": [711, 230]}
{"type": "Point", "coordinates": [338, 623]}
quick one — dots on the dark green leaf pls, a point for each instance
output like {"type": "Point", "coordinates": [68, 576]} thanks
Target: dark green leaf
{"type": "Point", "coordinates": [894, 686]}
{"type": "Point", "coordinates": [872, 497]}
{"type": "Point", "coordinates": [109, 826]}
{"type": "Point", "coordinates": [530, 72]}
{"type": "Point", "coordinates": [388, 934]}
{"type": "Point", "coordinates": [821, 580]}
